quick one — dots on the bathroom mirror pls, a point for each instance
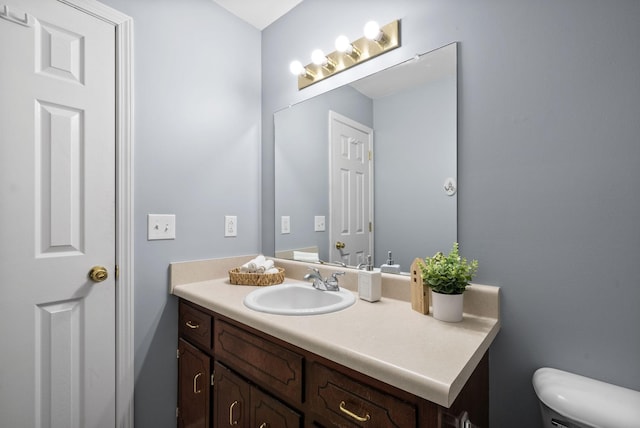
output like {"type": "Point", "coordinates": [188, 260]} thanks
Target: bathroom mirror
{"type": "Point", "coordinates": [407, 204]}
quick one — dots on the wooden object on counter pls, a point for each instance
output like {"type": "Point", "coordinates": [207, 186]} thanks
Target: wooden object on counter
{"type": "Point", "coordinates": [419, 291]}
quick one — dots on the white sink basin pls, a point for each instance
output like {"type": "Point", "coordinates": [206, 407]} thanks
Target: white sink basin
{"type": "Point", "coordinates": [298, 298]}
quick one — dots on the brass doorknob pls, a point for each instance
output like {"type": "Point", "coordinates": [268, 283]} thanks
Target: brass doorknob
{"type": "Point", "coordinates": [339, 245]}
{"type": "Point", "coordinates": [98, 273]}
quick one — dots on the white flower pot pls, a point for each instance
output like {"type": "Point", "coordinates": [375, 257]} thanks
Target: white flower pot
{"type": "Point", "coordinates": [447, 307]}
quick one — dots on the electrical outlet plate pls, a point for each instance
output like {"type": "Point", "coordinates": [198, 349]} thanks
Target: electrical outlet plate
{"type": "Point", "coordinates": [285, 224]}
{"type": "Point", "coordinates": [230, 225]}
{"type": "Point", "coordinates": [161, 226]}
{"type": "Point", "coordinates": [319, 223]}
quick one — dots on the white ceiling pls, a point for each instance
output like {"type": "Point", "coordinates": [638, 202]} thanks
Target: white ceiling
{"type": "Point", "coordinates": [259, 13]}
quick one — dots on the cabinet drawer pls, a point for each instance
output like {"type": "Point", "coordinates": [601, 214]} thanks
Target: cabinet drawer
{"type": "Point", "coordinates": [276, 368]}
{"type": "Point", "coordinates": [195, 325]}
{"type": "Point", "coordinates": [348, 403]}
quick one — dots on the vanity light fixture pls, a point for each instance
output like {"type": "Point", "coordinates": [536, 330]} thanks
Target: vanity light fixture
{"type": "Point", "coordinates": [376, 41]}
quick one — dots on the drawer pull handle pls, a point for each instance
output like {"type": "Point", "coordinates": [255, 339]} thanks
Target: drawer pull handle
{"type": "Point", "coordinates": [232, 421]}
{"type": "Point", "coordinates": [264, 425]}
{"type": "Point", "coordinates": [195, 384]}
{"type": "Point", "coordinates": [191, 325]}
{"type": "Point", "coordinates": [343, 409]}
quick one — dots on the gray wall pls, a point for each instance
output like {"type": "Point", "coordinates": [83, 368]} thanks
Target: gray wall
{"type": "Point", "coordinates": [549, 143]}
{"type": "Point", "coordinates": [197, 155]}
{"type": "Point", "coordinates": [415, 150]}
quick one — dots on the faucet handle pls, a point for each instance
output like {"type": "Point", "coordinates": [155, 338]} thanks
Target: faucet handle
{"type": "Point", "coordinates": [336, 274]}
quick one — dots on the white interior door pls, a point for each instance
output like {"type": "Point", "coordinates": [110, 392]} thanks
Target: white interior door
{"type": "Point", "coordinates": [57, 196]}
{"type": "Point", "coordinates": [351, 190]}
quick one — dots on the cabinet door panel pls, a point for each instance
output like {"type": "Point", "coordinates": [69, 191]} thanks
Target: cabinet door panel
{"type": "Point", "coordinates": [267, 412]}
{"type": "Point", "coordinates": [194, 391]}
{"type": "Point", "coordinates": [231, 398]}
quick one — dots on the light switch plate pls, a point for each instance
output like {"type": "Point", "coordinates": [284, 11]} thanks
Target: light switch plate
{"type": "Point", "coordinates": [319, 223]}
{"type": "Point", "coordinates": [161, 226]}
{"type": "Point", "coordinates": [230, 226]}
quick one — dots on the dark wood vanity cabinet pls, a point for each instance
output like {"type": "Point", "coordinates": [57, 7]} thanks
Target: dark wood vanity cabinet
{"type": "Point", "coordinates": [263, 382]}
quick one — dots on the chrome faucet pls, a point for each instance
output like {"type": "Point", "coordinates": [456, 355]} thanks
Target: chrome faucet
{"type": "Point", "coordinates": [326, 284]}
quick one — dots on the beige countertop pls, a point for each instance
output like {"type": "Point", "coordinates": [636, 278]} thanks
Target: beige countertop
{"type": "Point", "coordinates": [386, 340]}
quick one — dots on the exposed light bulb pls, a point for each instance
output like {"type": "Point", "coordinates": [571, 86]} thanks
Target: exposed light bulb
{"type": "Point", "coordinates": [318, 57]}
{"type": "Point", "coordinates": [372, 31]}
{"type": "Point", "coordinates": [343, 44]}
{"type": "Point", "coordinates": [296, 68]}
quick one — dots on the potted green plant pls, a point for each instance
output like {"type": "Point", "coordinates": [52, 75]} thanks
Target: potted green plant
{"type": "Point", "coordinates": [447, 276]}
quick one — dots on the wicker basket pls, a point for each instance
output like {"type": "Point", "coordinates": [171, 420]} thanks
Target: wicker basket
{"type": "Point", "coordinates": [240, 278]}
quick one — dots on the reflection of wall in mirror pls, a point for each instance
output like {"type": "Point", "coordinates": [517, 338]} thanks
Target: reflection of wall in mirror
{"type": "Point", "coordinates": [301, 164]}
{"type": "Point", "coordinates": [413, 215]}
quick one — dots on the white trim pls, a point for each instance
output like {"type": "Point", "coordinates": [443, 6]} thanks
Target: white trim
{"type": "Point", "coordinates": [124, 204]}
{"type": "Point", "coordinates": [124, 256]}
{"type": "Point", "coordinates": [98, 10]}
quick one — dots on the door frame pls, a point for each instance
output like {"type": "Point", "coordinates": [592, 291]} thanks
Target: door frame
{"type": "Point", "coordinates": [123, 25]}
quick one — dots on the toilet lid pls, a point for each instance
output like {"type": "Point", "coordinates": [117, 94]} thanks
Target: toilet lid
{"type": "Point", "coordinates": [587, 400]}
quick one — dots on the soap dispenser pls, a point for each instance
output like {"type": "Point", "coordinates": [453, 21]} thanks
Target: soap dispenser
{"type": "Point", "coordinates": [369, 283]}
{"type": "Point", "coordinates": [390, 266]}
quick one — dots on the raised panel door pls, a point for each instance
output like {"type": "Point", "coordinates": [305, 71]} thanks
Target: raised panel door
{"type": "Point", "coordinates": [267, 412]}
{"type": "Point", "coordinates": [194, 389]}
{"type": "Point", "coordinates": [57, 216]}
{"type": "Point", "coordinates": [231, 399]}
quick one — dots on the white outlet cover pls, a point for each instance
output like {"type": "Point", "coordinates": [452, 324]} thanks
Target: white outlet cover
{"type": "Point", "coordinates": [230, 226]}
{"type": "Point", "coordinates": [319, 222]}
{"type": "Point", "coordinates": [285, 224]}
{"type": "Point", "coordinates": [161, 226]}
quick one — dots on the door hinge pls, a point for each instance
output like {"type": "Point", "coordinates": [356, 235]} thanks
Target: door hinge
{"type": "Point", "coordinates": [117, 269]}
{"type": "Point", "coordinates": [370, 227]}
{"type": "Point", "coordinates": [177, 412]}
{"type": "Point", "coordinates": [212, 377]}
{"type": "Point", "coordinates": [178, 353]}
{"type": "Point", "coordinates": [370, 154]}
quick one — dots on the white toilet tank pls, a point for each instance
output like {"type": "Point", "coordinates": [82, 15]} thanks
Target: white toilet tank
{"type": "Point", "coordinates": [573, 401]}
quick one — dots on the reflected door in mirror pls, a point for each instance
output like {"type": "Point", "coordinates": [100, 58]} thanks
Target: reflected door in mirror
{"type": "Point", "coordinates": [351, 190]}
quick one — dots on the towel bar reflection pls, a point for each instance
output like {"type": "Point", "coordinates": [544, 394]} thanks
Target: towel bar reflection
{"type": "Point", "coordinates": [5, 13]}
